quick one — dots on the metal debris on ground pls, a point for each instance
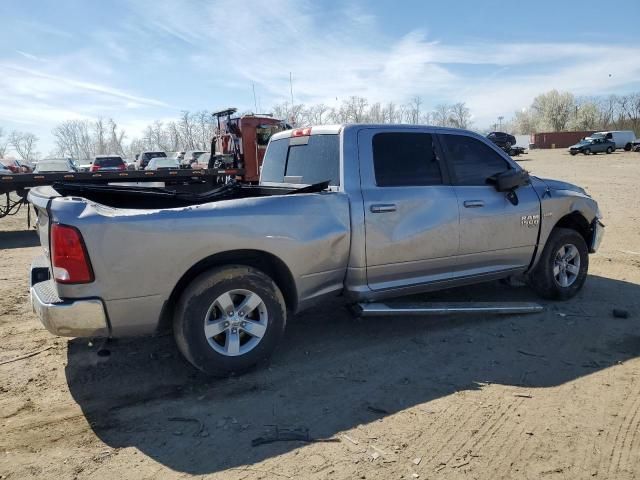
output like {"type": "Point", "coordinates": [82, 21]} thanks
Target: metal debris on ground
{"type": "Point", "coordinates": [26, 355]}
{"type": "Point", "coordinates": [280, 434]}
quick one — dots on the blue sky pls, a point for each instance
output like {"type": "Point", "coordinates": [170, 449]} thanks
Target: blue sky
{"type": "Point", "coordinates": [141, 60]}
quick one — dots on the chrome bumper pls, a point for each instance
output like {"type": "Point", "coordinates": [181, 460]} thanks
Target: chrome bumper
{"type": "Point", "coordinates": [67, 318]}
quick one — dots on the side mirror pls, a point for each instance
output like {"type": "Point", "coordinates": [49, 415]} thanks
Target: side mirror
{"type": "Point", "coordinates": [509, 180]}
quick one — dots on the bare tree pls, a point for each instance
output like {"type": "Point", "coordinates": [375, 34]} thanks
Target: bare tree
{"type": "Point", "coordinates": [441, 115]}
{"type": "Point", "coordinates": [24, 143]}
{"type": "Point", "coordinates": [459, 115]}
{"type": "Point", "coordinates": [4, 143]}
{"type": "Point", "coordinates": [414, 110]}
{"type": "Point", "coordinates": [73, 139]}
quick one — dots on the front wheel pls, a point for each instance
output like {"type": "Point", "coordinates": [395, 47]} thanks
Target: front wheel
{"type": "Point", "coordinates": [562, 268]}
{"type": "Point", "coordinates": [627, 147]}
{"type": "Point", "coordinates": [587, 151]}
{"type": "Point", "coordinates": [229, 319]}
{"type": "Point", "coordinates": [609, 150]}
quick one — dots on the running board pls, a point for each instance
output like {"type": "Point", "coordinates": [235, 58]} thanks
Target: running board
{"type": "Point", "coordinates": [424, 308]}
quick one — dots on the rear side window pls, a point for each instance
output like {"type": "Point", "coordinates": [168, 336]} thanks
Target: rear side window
{"type": "Point", "coordinates": [405, 159]}
{"type": "Point", "coordinates": [471, 160]}
{"type": "Point", "coordinates": [304, 160]}
{"type": "Point", "coordinates": [108, 162]}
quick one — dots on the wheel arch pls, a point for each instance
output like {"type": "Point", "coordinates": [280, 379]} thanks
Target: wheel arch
{"type": "Point", "coordinates": [578, 222]}
{"type": "Point", "coordinates": [266, 262]}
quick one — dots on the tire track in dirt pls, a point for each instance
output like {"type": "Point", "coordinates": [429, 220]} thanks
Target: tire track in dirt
{"type": "Point", "coordinates": [630, 434]}
{"type": "Point", "coordinates": [629, 412]}
{"type": "Point", "coordinates": [487, 425]}
{"type": "Point", "coordinates": [456, 430]}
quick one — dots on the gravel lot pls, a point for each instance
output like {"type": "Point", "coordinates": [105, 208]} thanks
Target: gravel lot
{"type": "Point", "coordinates": [553, 395]}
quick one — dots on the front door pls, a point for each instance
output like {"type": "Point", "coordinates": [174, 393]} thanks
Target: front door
{"type": "Point", "coordinates": [411, 210]}
{"type": "Point", "coordinates": [496, 234]}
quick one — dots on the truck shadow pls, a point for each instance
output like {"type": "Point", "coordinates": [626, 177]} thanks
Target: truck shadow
{"type": "Point", "coordinates": [19, 239]}
{"type": "Point", "coordinates": [333, 373]}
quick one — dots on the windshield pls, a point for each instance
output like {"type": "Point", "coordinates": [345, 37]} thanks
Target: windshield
{"type": "Point", "coordinates": [53, 166]}
{"type": "Point", "coordinates": [265, 132]}
{"type": "Point", "coordinates": [150, 155]}
{"type": "Point", "coordinates": [303, 160]}
{"type": "Point", "coordinates": [108, 162]}
{"type": "Point", "coordinates": [166, 162]}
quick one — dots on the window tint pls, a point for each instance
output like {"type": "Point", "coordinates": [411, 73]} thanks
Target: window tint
{"type": "Point", "coordinates": [405, 159]}
{"type": "Point", "coordinates": [472, 161]}
{"type": "Point", "coordinates": [314, 159]}
{"type": "Point", "coordinates": [108, 161]}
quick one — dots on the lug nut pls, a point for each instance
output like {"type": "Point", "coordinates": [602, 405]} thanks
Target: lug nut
{"type": "Point", "coordinates": [241, 314]}
{"type": "Point", "coordinates": [226, 324]}
{"type": "Point", "coordinates": [234, 330]}
{"type": "Point", "coordinates": [244, 324]}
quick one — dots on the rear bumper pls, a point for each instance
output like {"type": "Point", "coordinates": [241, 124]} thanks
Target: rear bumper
{"type": "Point", "coordinates": [68, 318]}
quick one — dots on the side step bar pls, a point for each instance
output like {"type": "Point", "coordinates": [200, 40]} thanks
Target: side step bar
{"type": "Point", "coordinates": [424, 308]}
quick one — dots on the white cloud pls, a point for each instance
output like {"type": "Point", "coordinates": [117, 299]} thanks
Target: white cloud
{"type": "Point", "coordinates": [213, 50]}
{"type": "Point", "coordinates": [351, 56]}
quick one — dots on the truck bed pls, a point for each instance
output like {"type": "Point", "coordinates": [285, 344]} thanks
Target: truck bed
{"type": "Point", "coordinates": [135, 197]}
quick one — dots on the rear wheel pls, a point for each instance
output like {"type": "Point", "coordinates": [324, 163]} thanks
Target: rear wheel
{"type": "Point", "coordinates": [627, 147]}
{"type": "Point", "coordinates": [609, 150]}
{"type": "Point", "coordinates": [587, 151]}
{"type": "Point", "coordinates": [562, 268]}
{"type": "Point", "coordinates": [229, 320]}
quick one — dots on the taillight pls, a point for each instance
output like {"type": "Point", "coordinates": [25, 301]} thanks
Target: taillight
{"type": "Point", "coordinates": [69, 258]}
{"type": "Point", "coordinates": [95, 168]}
{"type": "Point", "coordinates": [122, 167]}
{"type": "Point", "coordinates": [301, 132]}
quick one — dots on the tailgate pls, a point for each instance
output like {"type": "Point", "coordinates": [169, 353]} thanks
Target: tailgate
{"type": "Point", "coordinates": [40, 197]}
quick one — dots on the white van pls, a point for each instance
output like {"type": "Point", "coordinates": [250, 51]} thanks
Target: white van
{"type": "Point", "coordinates": [622, 138]}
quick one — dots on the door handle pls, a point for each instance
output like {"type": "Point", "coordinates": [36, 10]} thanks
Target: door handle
{"type": "Point", "coordinates": [473, 203]}
{"type": "Point", "coordinates": [383, 207]}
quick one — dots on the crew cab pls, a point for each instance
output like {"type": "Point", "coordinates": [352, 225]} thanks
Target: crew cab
{"type": "Point", "coordinates": [364, 212]}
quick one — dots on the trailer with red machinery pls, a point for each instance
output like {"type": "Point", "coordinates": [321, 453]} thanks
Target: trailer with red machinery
{"type": "Point", "coordinates": [241, 141]}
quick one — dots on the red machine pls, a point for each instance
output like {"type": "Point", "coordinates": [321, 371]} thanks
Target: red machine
{"type": "Point", "coordinates": [243, 140]}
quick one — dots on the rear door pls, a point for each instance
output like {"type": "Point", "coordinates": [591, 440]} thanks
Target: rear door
{"type": "Point", "coordinates": [495, 234]}
{"type": "Point", "coordinates": [411, 211]}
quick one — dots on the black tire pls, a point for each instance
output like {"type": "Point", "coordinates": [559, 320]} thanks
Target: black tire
{"type": "Point", "coordinates": [587, 151]}
{"type": "Point", "coordinates": [627, 147]}
{"type": "Point", "coordinates": [192, 312]}
{"type": "Point", "coordinates": [542, 278]}
{"type": "Point", "coordinates": [609, 150]}
{"type": "Point", "coordinates": [573, 154]}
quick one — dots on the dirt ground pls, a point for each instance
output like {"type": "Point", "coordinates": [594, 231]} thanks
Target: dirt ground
{"type": "Point", "coordinates": [550, 395]}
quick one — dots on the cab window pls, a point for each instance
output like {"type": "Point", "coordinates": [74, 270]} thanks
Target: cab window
{"type": "Point", "coordinates": [472, 161]}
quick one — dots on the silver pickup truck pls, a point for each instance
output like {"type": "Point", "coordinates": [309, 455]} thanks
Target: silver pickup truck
{"type": "Point", "coordinates": [363, 211]}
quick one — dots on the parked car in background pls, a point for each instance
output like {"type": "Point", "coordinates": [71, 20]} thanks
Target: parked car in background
{"type": "Point", "coordinates": [16, 166]}
{"type": "Point", "coordinates": [202, 161]}
{"type": "Point", "coordinates": [635, 146]}
{"type": "Point", "coordinates": [144, 157]}
{"type": "Point", "coordinates": [107, 163]}
{"type": "Point", "coordinates": [162, 163]}
{"type": "Point", "coordinates": [190, 157]}
{"type": "Point", "coordinates": [4, 170]}
{"type": "Point", "coordinates": [52, 165]}
{"type": "Point", "coordinates": [621, 138]}
{"type": "Point", "coordinates": [504, 140]}
{"type": "Point", "coordinates": [591, 145]}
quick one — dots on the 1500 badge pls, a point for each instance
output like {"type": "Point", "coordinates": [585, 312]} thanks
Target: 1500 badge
{"type": "Point", "coordinates": [530, 221]}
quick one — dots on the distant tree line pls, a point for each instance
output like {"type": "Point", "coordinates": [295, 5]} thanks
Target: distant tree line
{"type": "Point", "coordinates": [550, 111]}
{"type": "Point", "coordinates": [556, 111]}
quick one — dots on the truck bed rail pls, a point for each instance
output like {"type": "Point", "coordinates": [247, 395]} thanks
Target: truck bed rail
{"type": "Point", "coordinates": [17, 182]}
